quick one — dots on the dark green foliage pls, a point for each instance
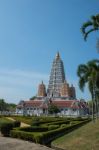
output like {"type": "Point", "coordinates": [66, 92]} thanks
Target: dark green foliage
{"type": "Point", "coordinates": [63, 125]}
{"type": "Point", "coordinates": [89, 74]}
{"type": "Point", "coordinates": [4, 120]}
{"type": "Point", "coordinates": [33, 98]}
{"type": "Point", "coordinates": [53, 109]}
{"type": "Point", "coordinates": [46, 137]}
{"type": "Point", "coordinates": [59, 122]}
{"type": "Point", "coordinates": [36, 122]}
{"type": "Point", "coordinates": [16, 124]}
{"type": "Point", "coordinates": [6, 107]}
{"type": "Point", "coordinates": [52, 127]}
{"type": "Point", "coordinates": [34, 129]}
{"type": "Point", "coordinates": [93, 23]}
{"type": "Point", "coordinates": [25, 119]}
{"type": "Point", "coordinates": [5, 128]}
{"type": "Point", "coordinates": [3, 105]}
{"type": "Point", "coordinates": [43, 120]}
{"type": "Point", "coordinates": [22, 135]}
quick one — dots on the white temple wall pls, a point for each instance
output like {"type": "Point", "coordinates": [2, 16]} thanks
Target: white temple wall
{"type": "Point", "coordinates": [39, 111]}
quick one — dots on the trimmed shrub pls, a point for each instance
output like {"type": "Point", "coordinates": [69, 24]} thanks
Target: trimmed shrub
{"type": "Point", "coordinates": [16, 124]}
{"type": "Point", "coordinates": [34, 137]}
{"type": "Point", "coordinates": [51, 135]}
{"type": "Point", "coordinates": [36, 122]}
{"type": "Point", "coordinates": [22, 135]}
{"type": "Point", "coordinates": [63, 125]}
{"type": "Point", "coordinates": [33, 129]}
{"type": "Point", "coordinates": [52, 127]}
{"type": "Point", "coordinates": [5, 128]}
{"type": "Point", "coordinates": [45, 137]}
{"type": "Point", "coordinates": [59, 122]}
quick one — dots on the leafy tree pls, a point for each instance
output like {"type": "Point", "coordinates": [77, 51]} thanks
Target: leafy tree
{"type": "Point", "coordinates": [90, 26]}
{"type": "Point", "coordinates": [11, 107]}
{"type": "Point", "coordinates": [33, 98]}
{"type": "Point", "coordinates": [3, 105]}
{"type": "Point", "coordinates": [53, 109]}
{"type": "Point", "coordinates": [6, 106]}
{"type": "Point", "coordinates": [89, 73]}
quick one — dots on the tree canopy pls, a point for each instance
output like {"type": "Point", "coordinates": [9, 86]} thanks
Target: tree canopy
{"type": "Point", "coordinates": [89, 73]}
{"type": "Point", "coordinates": [90, 26]}
{"type": "Point", "coordinates": [6, 106]}
{"type": "Point", "coordinates": [53, 109]}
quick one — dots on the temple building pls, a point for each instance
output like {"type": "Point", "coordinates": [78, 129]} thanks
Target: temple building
{"type": "Point", "coordinates": [57, 77]}
{"type": "Point", "coordinates": [58, 86]}
{"type": "Point", "coordinates": [58, 93]}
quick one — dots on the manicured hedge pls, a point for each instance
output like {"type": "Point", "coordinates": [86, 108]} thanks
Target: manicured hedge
{"type": "Point", "coordinates": [33, 129]}
{"type": "Point", "coordinates": [51, 135]}
{"type": "Point", "coordinates": [22, 135]}
{"type": "Point", "coordinates": [35, 122]}
{"type": "Point", "coordinates": [5, 128]}
{"type": "Point", "coordinates": [42, 120]}
{"type": "Point", "coordinates": [16, 124]}
{"type": "Point", "coordinates": [58, 122]}
{"type": "Point", "coordinates": [4, 120]}
{"type": "Point", "coordinates": [52, 127]}
{"type": "Point", "coordinates": [46, 137]}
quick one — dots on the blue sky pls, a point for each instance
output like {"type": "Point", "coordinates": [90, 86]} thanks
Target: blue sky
{"type": "Point", "coordinates": [31, 32]}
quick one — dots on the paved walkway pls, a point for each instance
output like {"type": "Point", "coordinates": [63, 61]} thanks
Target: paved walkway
{"type": "Point", "coordinates": [16, 144]}
{"type": "Point", "coordinates": [7, 143]}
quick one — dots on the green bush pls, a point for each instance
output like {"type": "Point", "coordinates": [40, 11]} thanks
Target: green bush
{"type": "Point", "coordinates": [52, 127]}
{"type": "Point", "coordinates": [63, 125]}
{"type": "Point", "coordinates": [16, 124]}
{"type": "Point", "coordinates": [4, 120]}
{"type": "Point", "coordinates": [45, 137]}
{"type": "Point", "coordinates": [79, 119]}
{"type": "Point", "coordinates": [51, 135]}
{"type": "Point", "coordinates": [36, 122]}
{"type": "Point", "coordinates": [5, 128]}
{"type": "Point", "coordinates": [34, 129]}
{"type": "Point", "coordinates": [59, 122]}
{"type": "Point", "coordinates": [22, 135]}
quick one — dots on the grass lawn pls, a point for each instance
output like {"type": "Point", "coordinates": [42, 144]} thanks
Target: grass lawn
{"type": "Point", "coordinates": [84, 138]}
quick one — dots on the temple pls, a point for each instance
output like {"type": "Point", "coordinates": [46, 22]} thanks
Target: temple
{"type": "Point", "coordinates": [58, 93]}
{"type": "Point", "coordinates": [58, 86]}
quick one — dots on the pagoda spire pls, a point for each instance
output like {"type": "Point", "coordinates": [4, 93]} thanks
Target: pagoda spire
{"type": "Point", "coordinates": [57, 77]}
{"type": "Point", "coordinates": [57, 56]}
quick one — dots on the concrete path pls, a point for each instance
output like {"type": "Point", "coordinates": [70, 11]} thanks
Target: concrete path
{"type": "Point", "coordinates": [16, 144]}
{"type": "Point", "coordinates": [7, 143]}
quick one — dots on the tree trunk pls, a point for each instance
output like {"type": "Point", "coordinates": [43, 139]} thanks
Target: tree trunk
{"type": "Point", "coordinates": [97, 99]}
{"type": "Point", "coordinates": [93, 119]}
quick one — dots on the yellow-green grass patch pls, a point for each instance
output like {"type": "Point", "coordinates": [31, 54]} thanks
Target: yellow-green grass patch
{"type": "Point", "coordinates": [84, 138]}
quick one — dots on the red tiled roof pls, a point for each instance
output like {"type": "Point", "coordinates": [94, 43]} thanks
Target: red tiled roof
{"type": "Point", "coordinates": [34, 103]}
{"type": "Point", "coordinates": [75, 104]}
{"type": "Point", "coordinates": [66, 103]}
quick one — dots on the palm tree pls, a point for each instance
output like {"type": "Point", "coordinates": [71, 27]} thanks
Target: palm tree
{"type": "Point", "coordinates": [90, 26]}
{"type": "Point", "coordinates": [89, 73]}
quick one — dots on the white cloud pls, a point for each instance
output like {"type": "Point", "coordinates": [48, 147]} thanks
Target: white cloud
{"type": "Point", "coordinates": [19, 84]}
